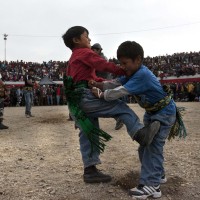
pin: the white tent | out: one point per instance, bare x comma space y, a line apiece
46, 81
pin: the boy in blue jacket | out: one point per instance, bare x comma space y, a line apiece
147, 90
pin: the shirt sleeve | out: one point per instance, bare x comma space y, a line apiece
111, 84
113, 94
92, 59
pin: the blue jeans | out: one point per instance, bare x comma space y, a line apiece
95, 108
1, 109
58, 99
28, 95
49, 99
151, 157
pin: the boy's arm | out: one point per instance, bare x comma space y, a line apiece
100, 64
111, 84
110, 94
116, 93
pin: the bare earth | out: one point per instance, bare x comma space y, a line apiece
40, 158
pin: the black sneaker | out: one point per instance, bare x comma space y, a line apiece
93, 175
30, 115
119, 124
2, 126
145, 135
143, 192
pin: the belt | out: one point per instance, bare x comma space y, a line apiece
81, 84
28, 88
157, 106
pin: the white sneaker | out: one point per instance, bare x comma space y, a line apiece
143, 192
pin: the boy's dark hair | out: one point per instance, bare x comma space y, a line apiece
130, 49
73, 32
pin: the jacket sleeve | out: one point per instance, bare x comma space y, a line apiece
111, 84
113, 94
92, 59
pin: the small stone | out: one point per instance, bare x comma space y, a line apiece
51, 190
110, 190
73, 192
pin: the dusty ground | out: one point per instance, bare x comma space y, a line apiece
40, 159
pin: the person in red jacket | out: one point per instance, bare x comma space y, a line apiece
85, 108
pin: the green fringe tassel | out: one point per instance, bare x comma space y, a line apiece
178, 129
96, 136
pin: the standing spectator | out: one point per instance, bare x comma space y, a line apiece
49, 95
98, 49
43, 97
2, 97
28, 91
58, 95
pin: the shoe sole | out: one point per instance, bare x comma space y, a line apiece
93, 180
155, 126
155, 196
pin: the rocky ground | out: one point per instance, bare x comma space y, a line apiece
40, 159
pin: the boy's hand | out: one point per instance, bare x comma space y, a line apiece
97, 92
92, 83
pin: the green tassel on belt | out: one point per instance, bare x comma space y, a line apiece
96, 136
178, 129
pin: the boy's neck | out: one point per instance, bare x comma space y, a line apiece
136, 70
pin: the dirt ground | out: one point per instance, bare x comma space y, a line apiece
40, 158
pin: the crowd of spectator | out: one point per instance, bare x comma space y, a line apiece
45, 95
15, 71
178, 64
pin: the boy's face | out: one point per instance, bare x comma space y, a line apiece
130, 66
83, 41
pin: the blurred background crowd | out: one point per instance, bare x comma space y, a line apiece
176, 65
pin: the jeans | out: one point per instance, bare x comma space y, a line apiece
58, 99
28, 95
95, 108
151, 157
1, 109
49, 99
